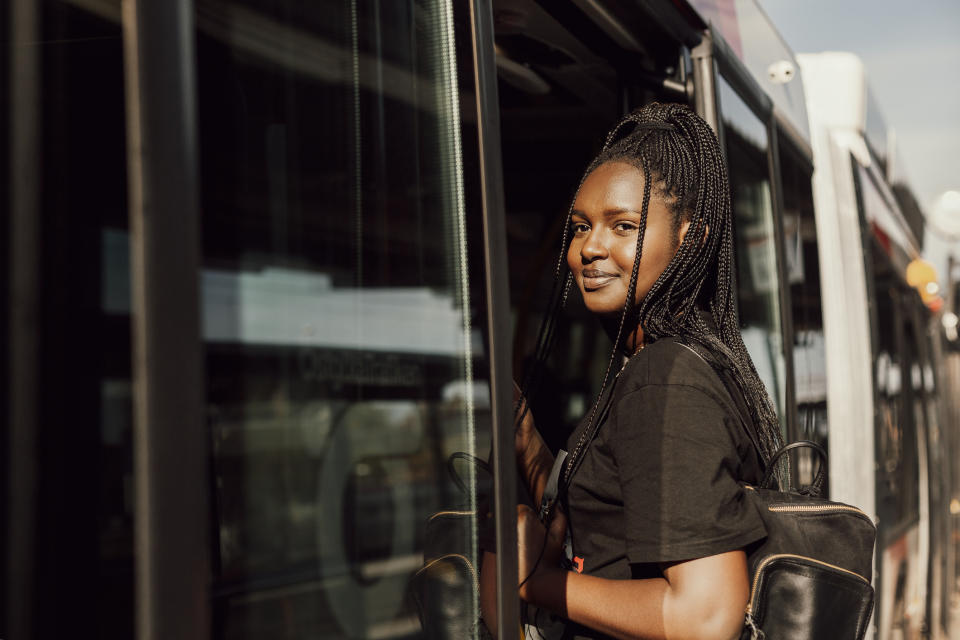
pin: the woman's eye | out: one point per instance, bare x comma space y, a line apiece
625, 227
580, 227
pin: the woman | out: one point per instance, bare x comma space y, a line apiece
657, 520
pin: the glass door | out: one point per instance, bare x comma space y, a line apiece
342, 310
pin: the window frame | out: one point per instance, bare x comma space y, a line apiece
172, 551
499, 326
738, 78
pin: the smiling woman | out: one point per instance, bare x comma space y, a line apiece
649, 494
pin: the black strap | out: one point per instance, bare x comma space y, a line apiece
736, 396
815, 488
769, 468
552, 491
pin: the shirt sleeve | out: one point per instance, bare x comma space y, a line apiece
678, 465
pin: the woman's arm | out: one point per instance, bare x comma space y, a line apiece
702, 599
534, 460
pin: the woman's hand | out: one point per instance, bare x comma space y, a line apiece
540, 552
534, 459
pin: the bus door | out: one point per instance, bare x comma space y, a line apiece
566, 73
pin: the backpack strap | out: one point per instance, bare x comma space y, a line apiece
739, 404
552, 491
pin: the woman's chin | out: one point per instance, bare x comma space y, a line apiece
603, 309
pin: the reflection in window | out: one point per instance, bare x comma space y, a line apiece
897, 408
895, 358
758, 285
338, 311
803, 275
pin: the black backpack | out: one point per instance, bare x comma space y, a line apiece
810, 578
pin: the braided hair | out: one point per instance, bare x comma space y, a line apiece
680, 157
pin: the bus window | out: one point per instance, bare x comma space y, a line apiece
897, 491
342, 309
802, 259
758, 282
895, 353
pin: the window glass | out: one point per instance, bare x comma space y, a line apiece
758, 284
803, 275
753, 38
342, 309
896, 491
72, 526
896, 369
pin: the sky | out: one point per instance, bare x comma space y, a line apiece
911, 50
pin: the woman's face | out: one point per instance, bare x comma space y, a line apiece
605, 222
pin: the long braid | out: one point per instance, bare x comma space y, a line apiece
689, 168
586, 434
680, 156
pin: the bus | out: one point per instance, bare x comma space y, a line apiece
272, 263
892, 395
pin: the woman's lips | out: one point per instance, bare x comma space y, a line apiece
595, 278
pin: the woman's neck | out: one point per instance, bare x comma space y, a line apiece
631, 342
634, 341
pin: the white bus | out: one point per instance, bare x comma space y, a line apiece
888, 401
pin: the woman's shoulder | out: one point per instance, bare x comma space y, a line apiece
669, 363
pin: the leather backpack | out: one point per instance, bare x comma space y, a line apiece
810, 577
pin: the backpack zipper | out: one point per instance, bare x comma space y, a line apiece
811, 508
756, 633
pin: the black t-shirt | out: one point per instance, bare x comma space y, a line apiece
659, 483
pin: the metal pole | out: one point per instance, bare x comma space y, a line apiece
498, 319
24, 330
170, 459
705, 100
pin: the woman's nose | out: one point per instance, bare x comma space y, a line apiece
593, 247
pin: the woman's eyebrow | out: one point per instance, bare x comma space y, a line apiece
608, 212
